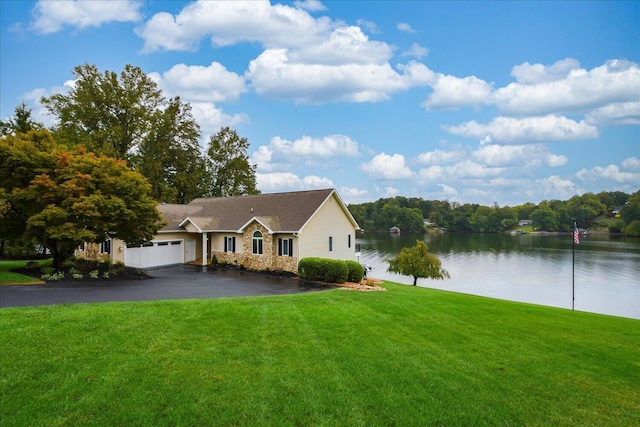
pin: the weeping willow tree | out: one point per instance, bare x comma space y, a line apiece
418, 262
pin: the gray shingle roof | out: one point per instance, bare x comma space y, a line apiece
280, 212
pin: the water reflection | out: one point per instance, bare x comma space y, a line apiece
526, 268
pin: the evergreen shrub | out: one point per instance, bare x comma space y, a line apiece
323, 270
356, 271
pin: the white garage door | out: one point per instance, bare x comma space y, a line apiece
155, 254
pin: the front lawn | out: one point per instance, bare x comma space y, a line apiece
8, 277
409, 356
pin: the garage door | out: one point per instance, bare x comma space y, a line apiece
155, 254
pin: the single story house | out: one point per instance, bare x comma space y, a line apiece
261, 232
525, 222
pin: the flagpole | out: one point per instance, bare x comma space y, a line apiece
573, 272
573, 265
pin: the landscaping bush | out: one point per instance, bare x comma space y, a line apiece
323, 270
310, 268
336, 271
356, 271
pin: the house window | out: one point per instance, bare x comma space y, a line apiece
348, 240
330, 243
285, 247
257, 243
229, 244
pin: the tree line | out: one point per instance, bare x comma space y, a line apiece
126, 116
118, 148
409, 214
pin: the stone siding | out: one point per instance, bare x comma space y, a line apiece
92, 252
269, 260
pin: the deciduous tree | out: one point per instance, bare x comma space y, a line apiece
170, 157
126, 116
63, 197
230, 172
418, 262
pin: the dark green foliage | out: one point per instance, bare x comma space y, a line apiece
323, 270
230, 172
309, 268
548, 215
21, 122
418, 262
631, 215
356, 271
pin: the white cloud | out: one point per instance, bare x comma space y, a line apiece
530, 155
368, 25
523, 130
229, 22
329, 146
441, 156
623, 113
51, 15
554, 160
282, 154
431, 174
211, 118
390, 191
447, 191
629, 178
310, 5
198, 83
274, 75
352, 193
385, 167
345, 45
305, 60
538, 73
450, 92
555, 187
470, 169
417, 51
287, 181
404, 27
631, 163
545, 92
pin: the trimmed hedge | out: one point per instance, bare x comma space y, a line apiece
356, 271
330, 270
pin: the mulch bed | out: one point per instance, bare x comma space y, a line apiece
369, 285
117, 274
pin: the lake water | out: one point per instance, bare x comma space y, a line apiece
528, 268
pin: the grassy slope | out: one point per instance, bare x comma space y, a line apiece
409, 356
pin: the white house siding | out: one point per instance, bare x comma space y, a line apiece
314, 237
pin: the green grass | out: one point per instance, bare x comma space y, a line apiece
8, 277
408, 356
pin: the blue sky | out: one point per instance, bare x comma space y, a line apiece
477, 102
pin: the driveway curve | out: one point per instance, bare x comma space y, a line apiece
167, 283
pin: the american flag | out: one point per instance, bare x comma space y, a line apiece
576, 237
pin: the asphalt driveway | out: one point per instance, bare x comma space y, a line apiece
175, 282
